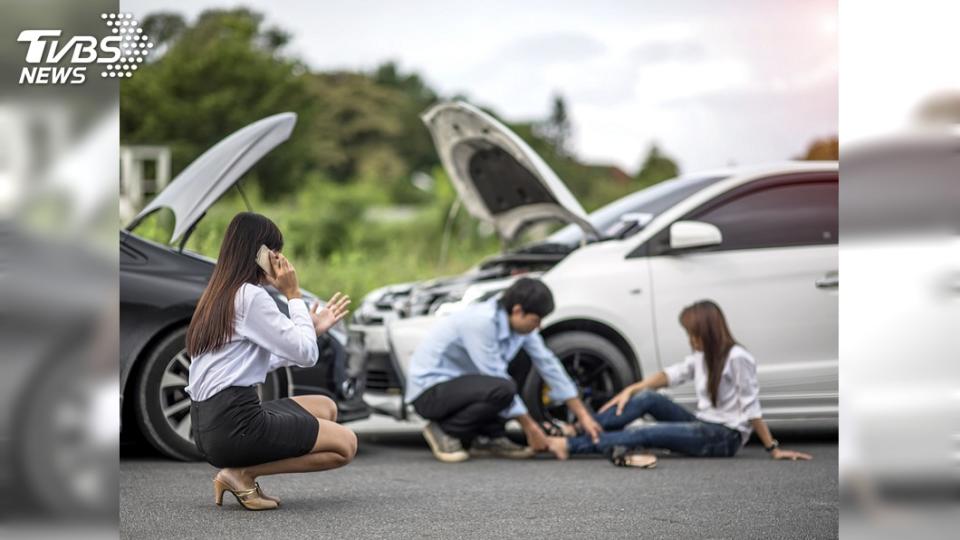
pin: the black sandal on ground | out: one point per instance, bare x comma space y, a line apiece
621, 457
554, 428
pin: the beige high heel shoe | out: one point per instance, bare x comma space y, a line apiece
265, 496
251, 499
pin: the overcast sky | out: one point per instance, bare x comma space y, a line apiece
713, 83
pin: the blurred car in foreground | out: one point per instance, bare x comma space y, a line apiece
900, 413
160, 286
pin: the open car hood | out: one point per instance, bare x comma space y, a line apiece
198, 186
499, 178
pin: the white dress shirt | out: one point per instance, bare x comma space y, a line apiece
737, 395
263, 339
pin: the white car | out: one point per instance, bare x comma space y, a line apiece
761, 241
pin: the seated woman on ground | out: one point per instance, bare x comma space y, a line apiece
728, 408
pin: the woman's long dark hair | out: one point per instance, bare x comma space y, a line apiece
212, 323
704, 321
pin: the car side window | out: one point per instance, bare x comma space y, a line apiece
799, 214
783, 212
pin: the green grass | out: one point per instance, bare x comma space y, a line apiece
334, 245
334, 248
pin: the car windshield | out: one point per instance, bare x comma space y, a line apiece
653, 200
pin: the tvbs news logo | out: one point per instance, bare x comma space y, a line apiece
118, 55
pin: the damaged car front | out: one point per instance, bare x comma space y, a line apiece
502, 182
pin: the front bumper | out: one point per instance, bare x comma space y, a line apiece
384, 381
339, 374
382, 375
353, 409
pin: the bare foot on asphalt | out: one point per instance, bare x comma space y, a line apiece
558, 447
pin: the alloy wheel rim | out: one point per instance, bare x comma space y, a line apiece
173, 399
594, 378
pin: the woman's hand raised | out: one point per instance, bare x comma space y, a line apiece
331, 313
619, 401
285, 276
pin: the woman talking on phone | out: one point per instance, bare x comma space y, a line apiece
237, 335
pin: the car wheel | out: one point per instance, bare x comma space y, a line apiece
597, 366
162, 404
66, 444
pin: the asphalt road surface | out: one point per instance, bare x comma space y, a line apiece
395, 489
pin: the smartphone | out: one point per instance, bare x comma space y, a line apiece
263, 259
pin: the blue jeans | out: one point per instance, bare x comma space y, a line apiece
676, 429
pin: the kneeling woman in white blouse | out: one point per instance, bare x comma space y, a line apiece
728, 408
237, 335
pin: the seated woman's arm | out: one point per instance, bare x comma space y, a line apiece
657, 380
745, 374
678, 373
763, 433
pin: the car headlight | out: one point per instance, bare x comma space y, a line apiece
366, 313
455, 302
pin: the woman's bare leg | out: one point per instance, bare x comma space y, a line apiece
335, 447
319, 406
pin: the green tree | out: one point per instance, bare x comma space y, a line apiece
163, 27
214, 77
656, 167
557, 129
358, 139
226, 71
413, 141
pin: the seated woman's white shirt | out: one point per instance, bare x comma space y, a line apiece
737, 396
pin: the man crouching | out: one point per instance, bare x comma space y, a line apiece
459, 381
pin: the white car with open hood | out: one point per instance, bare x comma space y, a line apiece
761, 241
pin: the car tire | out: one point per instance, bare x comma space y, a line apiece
149, 409
62, 449
586, 356
162, 404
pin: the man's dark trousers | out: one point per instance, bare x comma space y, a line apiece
468, 406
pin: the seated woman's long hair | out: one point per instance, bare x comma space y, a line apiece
212, 323
705, 321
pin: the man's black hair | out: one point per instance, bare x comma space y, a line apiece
531, 294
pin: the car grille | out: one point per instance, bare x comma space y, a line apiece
381, 377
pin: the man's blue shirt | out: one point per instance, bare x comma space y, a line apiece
479, 341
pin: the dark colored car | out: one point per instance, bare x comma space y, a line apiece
160, 286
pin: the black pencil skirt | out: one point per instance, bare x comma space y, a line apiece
234, 429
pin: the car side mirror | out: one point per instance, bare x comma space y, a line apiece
636, 218
628, 224
694, 234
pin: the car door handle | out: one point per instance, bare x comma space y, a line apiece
829, 281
